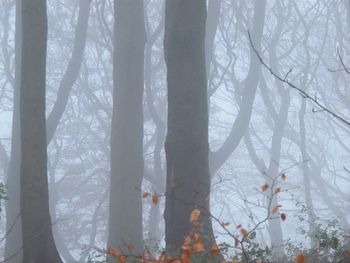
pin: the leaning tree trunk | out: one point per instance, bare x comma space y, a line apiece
186, 146
125, 212
38, 242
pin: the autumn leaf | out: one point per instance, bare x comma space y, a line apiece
114, 251
145, 194
148, 254
300, 258
283, 176
130, 247
195, 215
214, 250
188, 240
155, 200
187, 250
275, 209
265, 187
198, 246
244, 232
225, 224
185, 258
122, 259
283, 217
196, 237
277, 190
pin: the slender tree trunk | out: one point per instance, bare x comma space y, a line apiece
306, 175
73, 69
186, 146
13, 243
241, 124
275, 227
38, 241
13, 219
125, 212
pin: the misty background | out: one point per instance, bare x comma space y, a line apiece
260, 127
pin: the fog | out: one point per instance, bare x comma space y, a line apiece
174, 131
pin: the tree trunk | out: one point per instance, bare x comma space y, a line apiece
241, 123
125, 212
13, 220
13, 245
186, 146
38, 242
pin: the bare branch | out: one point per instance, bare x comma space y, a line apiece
291, 85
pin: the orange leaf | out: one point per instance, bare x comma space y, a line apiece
283, 217
196, 237
122, 259
300, 258
114, 251
187, 250
187, 240
214, 250
198, 246
195, 215
275, 209
265, 187
145, 194
155, 200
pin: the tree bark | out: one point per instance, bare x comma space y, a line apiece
125, 212
38, 241
186, 146
13, 220
13, 243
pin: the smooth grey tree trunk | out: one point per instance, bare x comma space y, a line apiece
186, 146
13, 220
13, 245
125, 211
38, 241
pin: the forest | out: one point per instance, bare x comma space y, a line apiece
174, 131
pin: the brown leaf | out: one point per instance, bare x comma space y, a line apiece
244, 232
214, 250
300, 258
195, 215
283, 216
155, 200
265, 187
275, 209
